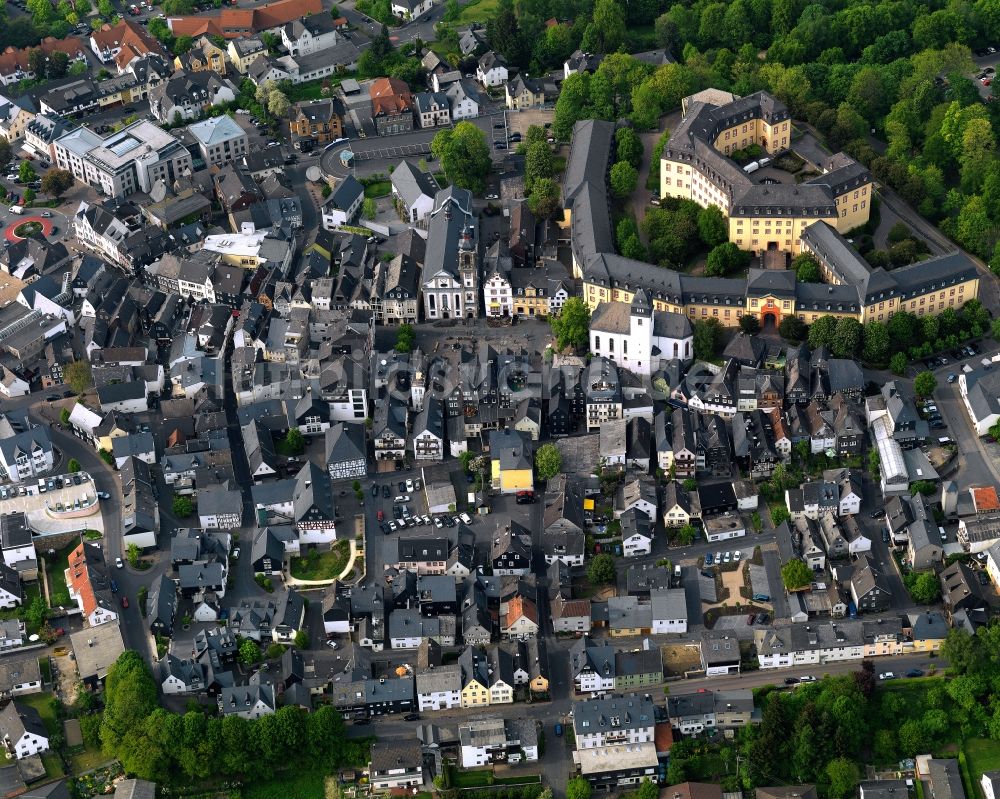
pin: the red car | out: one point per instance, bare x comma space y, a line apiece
380, 515
124, 601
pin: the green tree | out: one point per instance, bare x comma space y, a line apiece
302, 639
606, 33
844, 776
544, 198
796, 574
686, 534
181, 506
822, 332
913, 738
464, 156
572, 326
749, 324
792, 329
74, 466
847, 337
369, 208
28, 198
64, 415
249, 652
623, 179
278, 104
707, 338
5, 150
132, 555
712, 226
294, 442
106, 456
26, 172
78, 376
876, 344
182, 45
725, 259
601, 571
129, 699
36, 612
57, 182
406, 338
548, 461
539, 163
924, 384
779, 514
806, 268
924, 587
898, 363
628, 146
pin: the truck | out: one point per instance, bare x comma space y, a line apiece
753, 166
17, 209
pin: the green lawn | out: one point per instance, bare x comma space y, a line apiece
287, 785
83, 759
31, 591
477, 11
313, 90
53, 765
322, 565
55, 569
378, 188
44, 704
983, 755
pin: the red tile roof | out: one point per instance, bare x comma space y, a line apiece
232, 23
390, 96
11, 58
985, 499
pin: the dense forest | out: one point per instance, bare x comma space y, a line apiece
153, 743
901, 68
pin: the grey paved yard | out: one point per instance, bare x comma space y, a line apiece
706, 588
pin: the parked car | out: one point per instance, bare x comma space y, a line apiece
114, 586
887, 675
952, 377
791, 680
807, 678
709, 560
750, 619
374, 489
125, 602
385, 492
915, 673
411, 717
402, 498
559, 728
119, 564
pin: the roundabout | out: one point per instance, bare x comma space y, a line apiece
23, 228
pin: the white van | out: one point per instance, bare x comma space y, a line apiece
751, 167
944, 535
17, 209
763, 162
944, 441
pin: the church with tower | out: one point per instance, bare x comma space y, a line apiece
638, 338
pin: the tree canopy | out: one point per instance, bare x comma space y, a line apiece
548, 461
572, 326
464, 156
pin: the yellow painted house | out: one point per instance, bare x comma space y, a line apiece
475, 678
927, 630
511, 461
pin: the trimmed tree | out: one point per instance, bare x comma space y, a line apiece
548, 461
924, 384
796, 574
